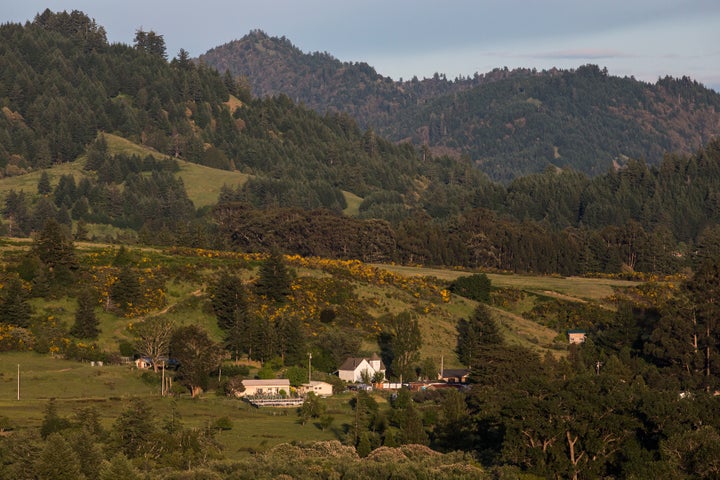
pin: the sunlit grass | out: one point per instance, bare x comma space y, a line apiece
353, 204
111, 389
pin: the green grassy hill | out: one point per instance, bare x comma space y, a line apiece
203, 184
379, 289
111, 388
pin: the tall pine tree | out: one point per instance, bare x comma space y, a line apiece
86, 323
274, 278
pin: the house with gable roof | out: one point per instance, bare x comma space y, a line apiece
352, 369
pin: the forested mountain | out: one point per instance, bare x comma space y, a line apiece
62, 85
508, 122
94, 138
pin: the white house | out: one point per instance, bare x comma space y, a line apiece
265, 387
352, 369
321, 389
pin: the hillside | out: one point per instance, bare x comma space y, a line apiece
509, 123
174, 153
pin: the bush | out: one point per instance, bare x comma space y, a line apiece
233, 385
235, 370
222, 423
475, 287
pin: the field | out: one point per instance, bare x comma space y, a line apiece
515, 328
382, 288
570, 288
110, 389
202, 183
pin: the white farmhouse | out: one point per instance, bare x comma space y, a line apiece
352, 369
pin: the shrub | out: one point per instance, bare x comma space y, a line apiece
223, 423
475, 287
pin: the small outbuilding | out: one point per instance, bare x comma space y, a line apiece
144, 363
321, 389
576, 336
454, 375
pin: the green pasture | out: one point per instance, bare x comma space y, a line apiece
568, 288
110, 390
353, 204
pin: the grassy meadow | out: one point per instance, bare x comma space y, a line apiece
111, 388
382, 289
202, 183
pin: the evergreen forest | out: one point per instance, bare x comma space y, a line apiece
203, 217
509, 123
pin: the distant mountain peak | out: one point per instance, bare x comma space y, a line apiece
508, 122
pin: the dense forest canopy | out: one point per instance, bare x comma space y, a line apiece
63, 84
508, 122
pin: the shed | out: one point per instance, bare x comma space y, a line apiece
576, 336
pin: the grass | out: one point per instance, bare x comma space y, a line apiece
202, 183
568, 288
122, 146
353, 204
43, 377
515, 328
111, 389
28, 182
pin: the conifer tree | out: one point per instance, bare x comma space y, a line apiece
58, 461
86, 323
274, 278
126, 292
134, 429
14, 307
228, 300
400, 342
476, 333
56, 251
411, 427
52, 422
118, 467
43, 186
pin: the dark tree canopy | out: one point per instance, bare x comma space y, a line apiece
197, 354
274, 278
475, 334
86, 322
475, 287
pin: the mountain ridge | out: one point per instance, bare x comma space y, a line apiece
508, 122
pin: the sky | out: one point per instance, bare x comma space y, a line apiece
646, 39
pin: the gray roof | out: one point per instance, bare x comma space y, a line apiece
353, 362
267, 383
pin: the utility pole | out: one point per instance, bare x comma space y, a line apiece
309, 367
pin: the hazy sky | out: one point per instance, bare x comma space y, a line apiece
401, 38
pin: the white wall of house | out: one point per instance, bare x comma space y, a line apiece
321, 389
265, 387
356, 374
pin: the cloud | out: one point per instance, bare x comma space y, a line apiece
581, 53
